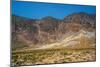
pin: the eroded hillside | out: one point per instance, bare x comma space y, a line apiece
74, 31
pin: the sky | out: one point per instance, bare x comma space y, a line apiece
37, 10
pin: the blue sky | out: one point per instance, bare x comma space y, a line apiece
38, 10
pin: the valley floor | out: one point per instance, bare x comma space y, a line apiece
51, 56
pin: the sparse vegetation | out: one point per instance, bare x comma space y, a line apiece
49, 56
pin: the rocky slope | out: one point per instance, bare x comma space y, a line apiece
74, 31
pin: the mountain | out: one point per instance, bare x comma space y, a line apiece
78, 40
51, 32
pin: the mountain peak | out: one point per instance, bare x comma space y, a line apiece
48, 18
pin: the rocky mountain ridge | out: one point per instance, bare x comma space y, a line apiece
48, 30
